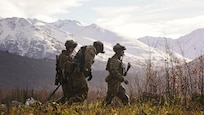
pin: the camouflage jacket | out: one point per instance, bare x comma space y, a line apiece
115, 68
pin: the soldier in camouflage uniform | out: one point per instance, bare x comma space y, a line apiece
115, 77
65, 63
84, 60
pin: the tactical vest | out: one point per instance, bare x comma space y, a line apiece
120, 69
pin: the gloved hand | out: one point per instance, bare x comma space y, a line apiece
126, 82
89, 78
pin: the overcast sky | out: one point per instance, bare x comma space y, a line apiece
130, 18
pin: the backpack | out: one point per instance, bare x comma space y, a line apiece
79, 58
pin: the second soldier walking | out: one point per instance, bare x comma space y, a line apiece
84, 60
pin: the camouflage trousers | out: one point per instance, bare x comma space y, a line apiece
79, 95
67, 91
79, 89
115, 89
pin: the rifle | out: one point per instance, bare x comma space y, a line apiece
128, 67
58, 75
88, 74
52, 93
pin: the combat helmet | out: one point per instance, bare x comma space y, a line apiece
70, 43
99, 46
118, 47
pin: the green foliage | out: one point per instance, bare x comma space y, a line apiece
144, 104
95, 108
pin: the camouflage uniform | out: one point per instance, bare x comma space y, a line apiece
65, 59
115, 78
80, 86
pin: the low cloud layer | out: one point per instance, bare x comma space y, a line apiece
132, 18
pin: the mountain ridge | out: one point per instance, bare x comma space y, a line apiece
189, 45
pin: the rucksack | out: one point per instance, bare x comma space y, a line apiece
79, 58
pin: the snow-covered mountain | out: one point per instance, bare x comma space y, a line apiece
37, 39
190, 45
27, 38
